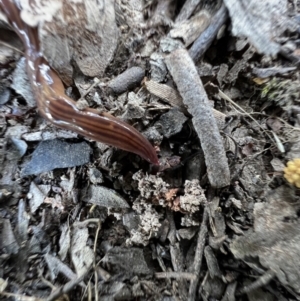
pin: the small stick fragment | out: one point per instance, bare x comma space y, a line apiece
271, 71
173, 98
206, 38
198, 256
129, 79
95, 83
191, 29
195, 98
67, 287
175, 275
260, 282
187, 10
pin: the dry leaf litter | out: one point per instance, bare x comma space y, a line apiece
80, 220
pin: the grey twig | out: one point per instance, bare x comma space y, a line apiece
198, 256
187, 10
191, 89
260, 282
175, 275
67, 287
206, 38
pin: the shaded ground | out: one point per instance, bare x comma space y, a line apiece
80, 220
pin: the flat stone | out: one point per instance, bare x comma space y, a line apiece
53, 154
105, 197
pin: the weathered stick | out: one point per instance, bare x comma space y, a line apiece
190, 87
198, 256
187, 10
208, 35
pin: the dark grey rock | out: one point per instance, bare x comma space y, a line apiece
20, 146
53, 154
131, 221
130, 261
171, 123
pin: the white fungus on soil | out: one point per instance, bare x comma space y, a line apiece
154, 192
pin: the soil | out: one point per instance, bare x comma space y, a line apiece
215, 88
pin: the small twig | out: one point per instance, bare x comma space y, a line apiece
67, 287
93, 85
269, 116
96, 237
90, 291
261, 281
175, 275
95, 249
198, 255
48, 283
187, 10
103, 273
96, 285
235, 176
11, 47
208, 35
203, 283
86, 222
157, 108
290, 56
87, 288
226, 97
